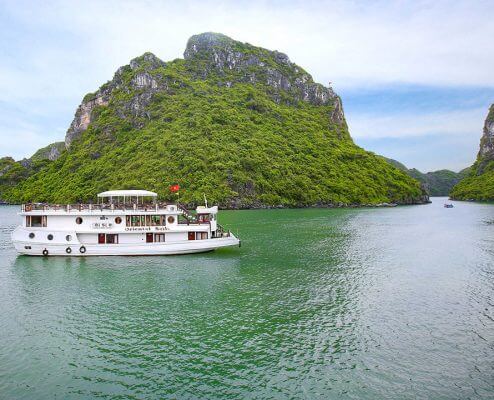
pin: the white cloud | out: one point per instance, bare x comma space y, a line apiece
60, 50
348, 43
451, 123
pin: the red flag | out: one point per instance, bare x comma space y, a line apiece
174, 188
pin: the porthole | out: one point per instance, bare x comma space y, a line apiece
31, 235
68, 238
50, 237
78, 220
118, 220
171, 219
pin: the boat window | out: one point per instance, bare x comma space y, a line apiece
144, 220
50, 237
78, 220
134, 220
203, 218
68, 238
201, 235
111, 238
159, 237
36, 220
32, 235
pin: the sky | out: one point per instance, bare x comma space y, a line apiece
416, 77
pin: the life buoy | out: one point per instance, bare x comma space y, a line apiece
29, 207
68, 250
82, 249
45, 252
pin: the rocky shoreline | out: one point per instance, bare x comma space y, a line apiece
298, 206
320, 205
237, 204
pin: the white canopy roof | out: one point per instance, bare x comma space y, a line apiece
207, 210
127, 193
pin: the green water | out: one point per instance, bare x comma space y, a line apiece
330, 304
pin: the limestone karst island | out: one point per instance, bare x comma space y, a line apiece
265, 133
239, 122
246, 200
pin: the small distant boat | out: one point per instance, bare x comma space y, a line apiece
448, 205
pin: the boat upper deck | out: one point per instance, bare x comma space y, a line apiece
105, 208
121, 202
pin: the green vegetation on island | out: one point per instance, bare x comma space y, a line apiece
241, 124
436, 183
479, 182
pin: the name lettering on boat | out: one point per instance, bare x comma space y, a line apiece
97, 225
146, 228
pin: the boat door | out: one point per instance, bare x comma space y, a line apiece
101, 238
149, 238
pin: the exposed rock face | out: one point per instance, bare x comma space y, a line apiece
478, 184
51, 152
25, 162
83, 115
222, 55
486, 152
141, 80
54, 153
209, 53
147, 60
240, 122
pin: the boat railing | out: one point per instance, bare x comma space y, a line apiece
79, 207
222, 232
186, 213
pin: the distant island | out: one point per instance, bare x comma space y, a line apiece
243, 124
478, 185
435, 183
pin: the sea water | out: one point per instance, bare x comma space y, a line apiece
317, 303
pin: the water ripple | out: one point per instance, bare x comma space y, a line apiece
347, 304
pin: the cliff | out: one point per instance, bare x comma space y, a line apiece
479, 183
243, 124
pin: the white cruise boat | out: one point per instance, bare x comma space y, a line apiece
124, 222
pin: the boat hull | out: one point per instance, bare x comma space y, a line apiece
78, 249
